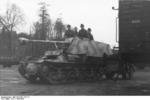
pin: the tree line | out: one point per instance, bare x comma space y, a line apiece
43, 29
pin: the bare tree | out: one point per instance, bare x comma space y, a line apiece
12, 18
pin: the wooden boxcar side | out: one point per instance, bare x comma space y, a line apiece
134, 30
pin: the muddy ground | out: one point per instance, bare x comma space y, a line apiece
11, 83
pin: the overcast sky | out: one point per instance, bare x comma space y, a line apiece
96, 14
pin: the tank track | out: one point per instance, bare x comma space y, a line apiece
64, 73
67, 72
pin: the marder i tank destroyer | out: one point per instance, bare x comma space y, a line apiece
78, 60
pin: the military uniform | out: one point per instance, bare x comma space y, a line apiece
90, 36
69, 34
75, 33
83, 34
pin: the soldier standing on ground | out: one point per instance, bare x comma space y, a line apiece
82, 33
90, 36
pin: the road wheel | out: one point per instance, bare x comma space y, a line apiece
23, 72
53, 74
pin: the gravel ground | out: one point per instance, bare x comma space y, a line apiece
11, 83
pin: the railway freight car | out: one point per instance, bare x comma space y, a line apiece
134, 31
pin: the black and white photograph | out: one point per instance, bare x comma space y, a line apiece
74, 48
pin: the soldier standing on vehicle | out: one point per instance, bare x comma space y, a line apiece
90, 36
82, 33
69, 32
75, 31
